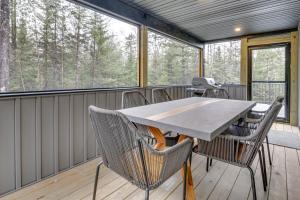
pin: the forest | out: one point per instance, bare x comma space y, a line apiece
222, 61
268, 73
170, 62
57, 44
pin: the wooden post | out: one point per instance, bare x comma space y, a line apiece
294, 81
143, 58
244, 61
201, 62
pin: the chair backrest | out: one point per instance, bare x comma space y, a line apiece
222, 93
280, 99
216, 93
210, 92
133, 98
160, 95
263, 129
118, 141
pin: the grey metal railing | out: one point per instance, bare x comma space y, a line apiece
267, 91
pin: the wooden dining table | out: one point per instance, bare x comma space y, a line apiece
195, 117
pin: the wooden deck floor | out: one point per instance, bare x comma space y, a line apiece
223, 181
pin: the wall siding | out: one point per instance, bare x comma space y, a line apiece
7, 150
78, 130
47, 142
43, 135
28, 140
63, 132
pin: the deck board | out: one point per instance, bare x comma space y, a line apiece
293, 173
225, 184
208, 183
278, 189
198, 174
223, 181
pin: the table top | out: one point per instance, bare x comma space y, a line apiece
198, 117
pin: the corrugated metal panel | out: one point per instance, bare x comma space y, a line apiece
216, 19
43, 135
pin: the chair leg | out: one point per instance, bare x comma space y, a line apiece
262, 170
96, 180
264, 163
147, 194
210, 162
268, 146
207, 164
184, 181
252, 183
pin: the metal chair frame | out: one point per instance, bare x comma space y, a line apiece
241, 150
125, 151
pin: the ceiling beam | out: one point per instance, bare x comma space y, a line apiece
135, 15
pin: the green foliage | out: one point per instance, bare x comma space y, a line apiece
170, 62
268, 65
222, 61
61, 45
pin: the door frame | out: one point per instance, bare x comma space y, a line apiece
287, 81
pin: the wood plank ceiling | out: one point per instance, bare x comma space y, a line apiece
217, 19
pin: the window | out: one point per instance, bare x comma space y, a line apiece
170, 62
222, 61
56, 44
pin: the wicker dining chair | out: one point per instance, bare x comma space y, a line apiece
133, 98
254, 118
259, 114
210, 92
216, 93
248, 125
241, 150
124, 151
160, 95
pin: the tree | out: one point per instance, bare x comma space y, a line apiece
131, 59
222, 61
4, 45
55, 44
98, 49
170, 62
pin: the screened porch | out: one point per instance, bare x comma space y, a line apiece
59, 58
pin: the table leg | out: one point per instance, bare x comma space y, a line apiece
189, 182
160, 138
160, 145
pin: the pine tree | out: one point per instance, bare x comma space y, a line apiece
130, 72
4, 45
98, 49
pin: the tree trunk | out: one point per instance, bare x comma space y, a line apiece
62, 53
14, 24
77, 64
4, 45
94, 63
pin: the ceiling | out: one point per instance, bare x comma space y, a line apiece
217, 19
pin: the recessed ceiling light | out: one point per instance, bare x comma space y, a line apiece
237, 29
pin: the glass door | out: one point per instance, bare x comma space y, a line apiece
269, 76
